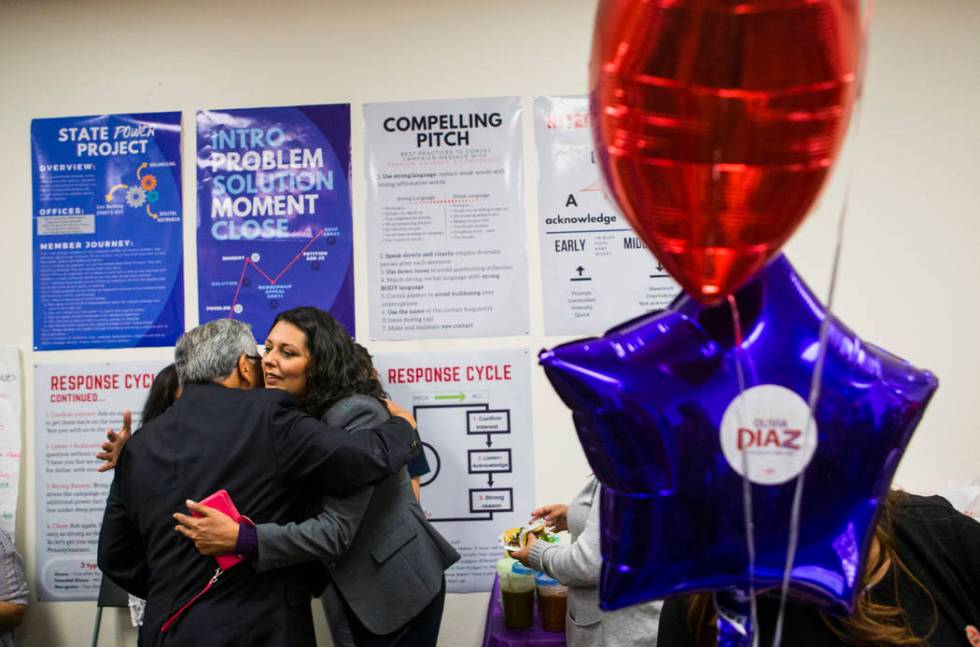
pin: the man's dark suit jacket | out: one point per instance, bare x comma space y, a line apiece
271, 458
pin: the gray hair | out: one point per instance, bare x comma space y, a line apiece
209, 352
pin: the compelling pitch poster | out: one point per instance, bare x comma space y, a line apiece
446, 232
274, 213
75, 404
595, 271
474, 416
108, 270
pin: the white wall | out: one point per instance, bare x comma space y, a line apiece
911, 249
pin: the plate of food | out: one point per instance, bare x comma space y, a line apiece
514, 539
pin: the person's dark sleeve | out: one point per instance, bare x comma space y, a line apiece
247, 544
418, 466
334, 461
121, 555
968, 533
673, 625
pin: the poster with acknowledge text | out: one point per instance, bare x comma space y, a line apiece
596, 272
274, 213
108, 251
447, 253
74, 406
11, 407
473, 410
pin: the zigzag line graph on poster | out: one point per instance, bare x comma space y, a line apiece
272, 281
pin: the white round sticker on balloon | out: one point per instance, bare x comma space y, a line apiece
769, 429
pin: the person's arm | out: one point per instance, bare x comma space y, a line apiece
335, 462
417, 468
121, 555
325, 537
14, 602
578, 564
330, 534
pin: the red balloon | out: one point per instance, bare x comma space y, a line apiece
717, 122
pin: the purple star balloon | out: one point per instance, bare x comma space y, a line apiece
669, 432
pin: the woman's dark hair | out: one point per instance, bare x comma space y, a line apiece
872, 623
372, 385
162, 394
335, 371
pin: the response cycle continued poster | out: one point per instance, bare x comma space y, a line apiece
274, 213
74, 405
107, 243
11, 409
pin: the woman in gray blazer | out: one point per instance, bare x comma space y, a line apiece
386, 561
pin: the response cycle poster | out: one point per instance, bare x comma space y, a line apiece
473, 410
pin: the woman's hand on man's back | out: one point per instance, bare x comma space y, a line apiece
396, 410
112, 448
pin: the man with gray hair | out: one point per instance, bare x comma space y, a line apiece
223, 433
210, 352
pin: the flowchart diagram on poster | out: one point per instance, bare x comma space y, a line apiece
466, 441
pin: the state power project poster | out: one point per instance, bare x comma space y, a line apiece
274, 213
108, 255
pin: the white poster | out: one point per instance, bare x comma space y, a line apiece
473, 411
447, 255
596, 272
75, 405
11, 406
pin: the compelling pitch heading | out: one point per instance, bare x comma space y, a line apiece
432, 131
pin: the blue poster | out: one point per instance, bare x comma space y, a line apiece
274, 213
108, 254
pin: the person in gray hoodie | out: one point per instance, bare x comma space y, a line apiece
577, 566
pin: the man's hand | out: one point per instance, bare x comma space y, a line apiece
112, 448
396, 410
554, 515
213, 533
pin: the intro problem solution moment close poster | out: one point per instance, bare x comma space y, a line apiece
274, 213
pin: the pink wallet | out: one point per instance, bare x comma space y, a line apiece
221, 501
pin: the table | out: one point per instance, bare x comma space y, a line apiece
496, 634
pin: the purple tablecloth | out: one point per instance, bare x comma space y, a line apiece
496, 634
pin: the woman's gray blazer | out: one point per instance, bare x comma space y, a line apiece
384, 557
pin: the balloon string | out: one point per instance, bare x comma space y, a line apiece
746, 484
815, 383
816, 380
